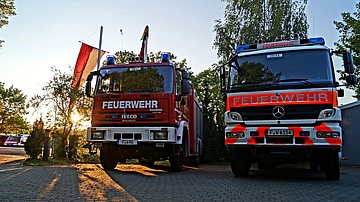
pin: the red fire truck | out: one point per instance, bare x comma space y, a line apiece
144, 110
282, 106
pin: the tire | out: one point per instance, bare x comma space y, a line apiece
177, 158
332, 166
314, 165
240, 163
146, 163
194, 161
108, 162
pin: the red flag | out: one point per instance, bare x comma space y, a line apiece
85, 63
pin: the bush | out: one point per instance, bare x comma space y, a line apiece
34, 144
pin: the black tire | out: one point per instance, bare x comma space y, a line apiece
314, 165
194, 161
146, 163
177, 158
108, 162
240, 163
332, 169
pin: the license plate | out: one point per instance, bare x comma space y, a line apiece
126, 142
280, 132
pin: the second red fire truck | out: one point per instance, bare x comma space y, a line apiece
282, 106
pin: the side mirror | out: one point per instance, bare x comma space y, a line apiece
185, 75
348, 63
185, 87
88, 85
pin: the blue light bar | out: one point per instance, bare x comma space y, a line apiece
110, 60
241, 48
165, 57
317, 40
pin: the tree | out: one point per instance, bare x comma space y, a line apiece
244, 22
62, 103
207, 83
7, 9
247, 20
12, 109
124, 56
349, 39
35, 142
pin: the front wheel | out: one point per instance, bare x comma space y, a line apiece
107, 159
332, 167
177, 158
146, 163
240, 163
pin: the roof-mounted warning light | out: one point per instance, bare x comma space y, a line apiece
278, 44
318, 40
165, 57
110, 60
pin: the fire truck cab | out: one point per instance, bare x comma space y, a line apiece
282, 106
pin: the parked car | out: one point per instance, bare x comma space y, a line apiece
13, 141
23, 138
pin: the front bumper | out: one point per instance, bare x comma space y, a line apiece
132, 134
302, 137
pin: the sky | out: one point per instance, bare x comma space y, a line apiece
46, 34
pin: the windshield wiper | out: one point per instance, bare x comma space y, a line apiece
256, 84
303, 80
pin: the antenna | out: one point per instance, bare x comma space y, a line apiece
314, 25
121, 39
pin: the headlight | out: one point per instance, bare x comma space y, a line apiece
235, 135
97, 135
327, 134
160, 135
235, 116
326, 113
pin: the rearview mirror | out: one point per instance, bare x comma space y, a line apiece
185, 87
348, 63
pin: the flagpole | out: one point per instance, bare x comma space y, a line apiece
99, 52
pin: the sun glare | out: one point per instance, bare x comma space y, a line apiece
75, 117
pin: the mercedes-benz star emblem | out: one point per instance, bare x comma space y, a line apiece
278, 112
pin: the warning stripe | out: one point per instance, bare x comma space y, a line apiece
282, 98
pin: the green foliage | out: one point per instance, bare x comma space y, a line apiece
247, 20
76, 150
53, 161
7, 9
207, 84
12, 109
35, 142
349, 39
59, 144
62, 101
123, 57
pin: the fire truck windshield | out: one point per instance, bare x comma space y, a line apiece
136, 79
288, 69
